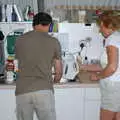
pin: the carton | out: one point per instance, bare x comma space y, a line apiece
84, 77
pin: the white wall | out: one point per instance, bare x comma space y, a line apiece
77, 32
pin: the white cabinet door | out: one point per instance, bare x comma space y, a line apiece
92, 110
7, 104
69, 103
92, 103
92, 94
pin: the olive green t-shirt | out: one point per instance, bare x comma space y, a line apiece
35, 52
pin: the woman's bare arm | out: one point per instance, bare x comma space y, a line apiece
112, 55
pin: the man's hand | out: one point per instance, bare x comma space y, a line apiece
57, 77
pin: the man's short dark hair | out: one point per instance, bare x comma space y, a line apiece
42, 18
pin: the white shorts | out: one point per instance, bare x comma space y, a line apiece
110, 95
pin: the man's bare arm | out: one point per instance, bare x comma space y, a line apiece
58, 70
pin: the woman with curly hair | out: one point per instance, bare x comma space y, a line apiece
108, 72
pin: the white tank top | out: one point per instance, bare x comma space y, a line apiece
113, 40
103, 59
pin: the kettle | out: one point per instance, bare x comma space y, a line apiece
70, 67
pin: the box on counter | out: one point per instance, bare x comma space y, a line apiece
84, 77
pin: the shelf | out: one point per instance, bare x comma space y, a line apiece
28, 22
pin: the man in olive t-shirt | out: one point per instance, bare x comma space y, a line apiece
37, 52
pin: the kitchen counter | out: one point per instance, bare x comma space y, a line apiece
82, 81
60, 85
75, 85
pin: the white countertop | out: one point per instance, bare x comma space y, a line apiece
60, 85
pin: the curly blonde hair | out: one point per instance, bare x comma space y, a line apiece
110, 19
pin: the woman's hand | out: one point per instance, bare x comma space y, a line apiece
94, 77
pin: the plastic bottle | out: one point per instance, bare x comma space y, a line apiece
14, 15
85, 60
10, 70
10, 77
